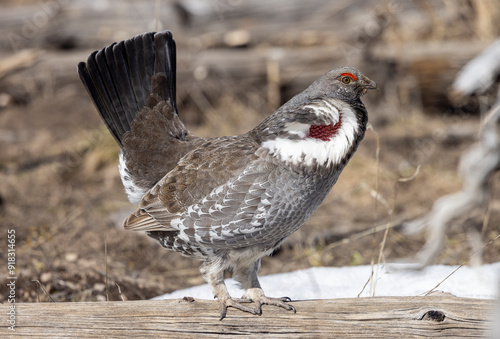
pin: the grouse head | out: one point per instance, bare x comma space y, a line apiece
345, 83
321, 127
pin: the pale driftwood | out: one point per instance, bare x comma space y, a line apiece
22, 59
478, 75
477, 165
381, 317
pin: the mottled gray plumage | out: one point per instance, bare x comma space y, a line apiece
228, 200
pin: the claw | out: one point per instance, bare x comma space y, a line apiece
278, 302
236, 303
288, 300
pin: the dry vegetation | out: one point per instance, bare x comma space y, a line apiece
61, 190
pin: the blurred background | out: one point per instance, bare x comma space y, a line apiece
237, 62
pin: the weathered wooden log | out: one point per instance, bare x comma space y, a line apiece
378, 317
67, 24
214, 72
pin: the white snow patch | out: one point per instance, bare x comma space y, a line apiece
348, 282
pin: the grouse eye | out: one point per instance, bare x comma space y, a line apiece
346, 80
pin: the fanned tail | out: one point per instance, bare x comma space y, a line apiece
118, 78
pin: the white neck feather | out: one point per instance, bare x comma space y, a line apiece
308, 151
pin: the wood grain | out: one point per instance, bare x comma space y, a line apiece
378, 317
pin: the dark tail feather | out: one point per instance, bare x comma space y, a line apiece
118, 77
165, 62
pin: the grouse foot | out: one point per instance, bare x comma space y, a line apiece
236, 303
257, 296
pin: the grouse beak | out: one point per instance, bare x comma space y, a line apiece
369, 84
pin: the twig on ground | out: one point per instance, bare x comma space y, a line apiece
38, 283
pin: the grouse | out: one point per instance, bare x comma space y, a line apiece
229, 200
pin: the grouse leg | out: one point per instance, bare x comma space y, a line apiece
247, 277
215, 279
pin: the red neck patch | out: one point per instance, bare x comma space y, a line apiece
324, 132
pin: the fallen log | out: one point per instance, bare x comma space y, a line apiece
377, 317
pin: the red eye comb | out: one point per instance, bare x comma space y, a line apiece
352, 76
